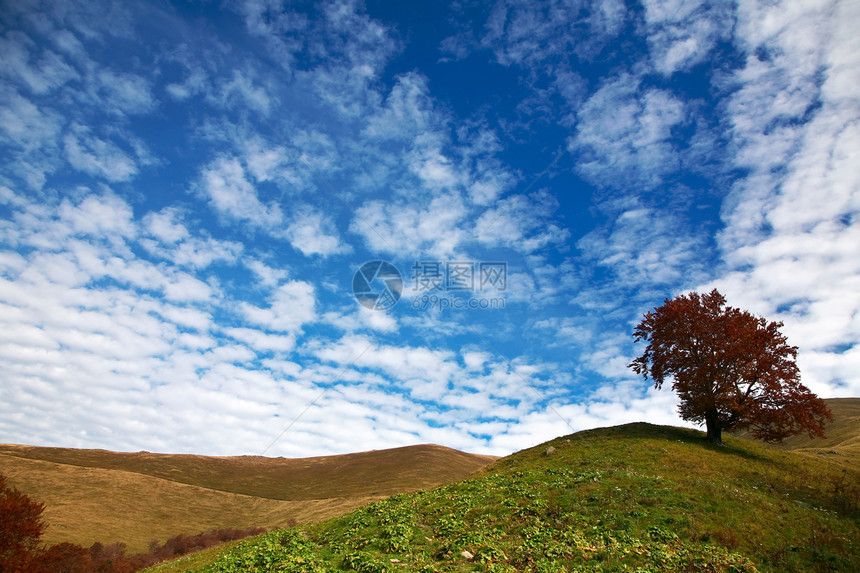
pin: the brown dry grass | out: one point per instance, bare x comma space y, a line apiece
95, 495
377, 473
842, 444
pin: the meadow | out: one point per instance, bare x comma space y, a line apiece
136, 498
629, 498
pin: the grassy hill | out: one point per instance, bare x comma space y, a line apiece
842, 444
630, 498
96, 495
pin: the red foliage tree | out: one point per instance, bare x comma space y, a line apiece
21, 527
61, 558
732, 370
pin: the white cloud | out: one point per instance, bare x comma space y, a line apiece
166, 225
267, 275
126, 342
475, 361
409, 229
291, 305
77, 89
40, 73
792, 235
682, 34
93, 235
312, 233
488, 176
449, 392
624, 134
521, 223
645, 247
30, 134
26, 125
242, 91
264, 163
103, 219
172, 240
655, 407
161, 365
161, 329
566, 330
520, 32
435, 171
102, 215
541, 284
262, 342
407, 110
194, 84
282, 30
124, 93
401, 363
356, 49
225, 184
99, 157
361, 319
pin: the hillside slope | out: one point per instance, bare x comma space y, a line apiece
842, 443
378, 472
630, 498
96, 495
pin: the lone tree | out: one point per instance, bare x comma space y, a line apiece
732, 370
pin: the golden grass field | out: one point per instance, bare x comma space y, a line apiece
636, 497
842, 444
135, 498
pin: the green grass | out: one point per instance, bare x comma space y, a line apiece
630, 498
192, 561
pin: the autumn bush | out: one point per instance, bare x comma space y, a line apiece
21, 528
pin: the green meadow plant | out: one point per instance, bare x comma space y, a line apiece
633, 498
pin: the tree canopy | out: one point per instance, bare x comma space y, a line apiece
21, 526
731, 369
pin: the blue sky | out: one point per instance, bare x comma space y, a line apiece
188, 190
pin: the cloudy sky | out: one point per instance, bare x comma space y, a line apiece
188, 191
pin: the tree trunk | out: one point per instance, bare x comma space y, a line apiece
715, 431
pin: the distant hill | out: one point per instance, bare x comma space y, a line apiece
97, 495
842, 443
636, 497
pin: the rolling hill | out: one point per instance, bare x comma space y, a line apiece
97, 495
842, 443
610, 499
636, 497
